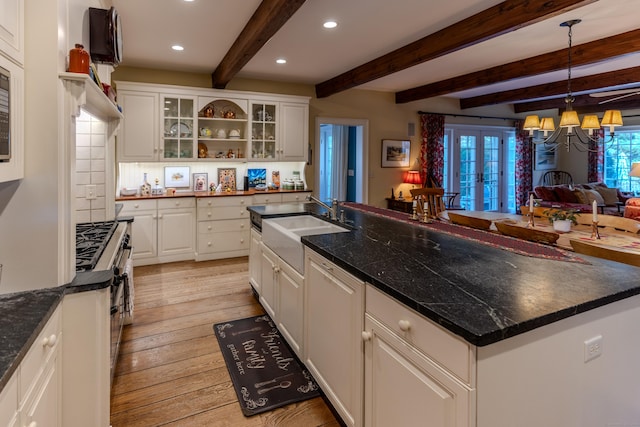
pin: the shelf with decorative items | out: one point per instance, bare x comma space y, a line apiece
264, 131
222, 125
178, 120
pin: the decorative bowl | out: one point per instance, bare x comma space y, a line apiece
130, 191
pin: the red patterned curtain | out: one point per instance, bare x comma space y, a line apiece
432, 149
524, 165
596, 160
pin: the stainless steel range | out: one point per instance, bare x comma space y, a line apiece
107, 246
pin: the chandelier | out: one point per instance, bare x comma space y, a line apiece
571, 132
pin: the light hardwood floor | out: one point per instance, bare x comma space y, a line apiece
170, 370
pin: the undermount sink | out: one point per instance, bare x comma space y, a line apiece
282, 235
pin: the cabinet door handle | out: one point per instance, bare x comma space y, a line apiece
49, 341
160, 216
208, 243
33, 424
276, 269
404, 325
209, 228
366, 336
327, 267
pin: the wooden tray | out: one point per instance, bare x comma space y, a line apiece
530, 234
469, 221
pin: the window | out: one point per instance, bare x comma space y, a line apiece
618, 156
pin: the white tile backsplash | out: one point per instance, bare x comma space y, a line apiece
90, 167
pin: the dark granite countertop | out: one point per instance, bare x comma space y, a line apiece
24, 314
483, 294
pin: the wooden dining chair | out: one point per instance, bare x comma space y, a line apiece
610, 221
430, 201
618, 254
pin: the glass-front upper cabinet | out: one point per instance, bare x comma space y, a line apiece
178, 132
264, 136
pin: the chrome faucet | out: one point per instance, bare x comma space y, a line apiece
333, 209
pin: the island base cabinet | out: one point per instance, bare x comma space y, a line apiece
404, 388
334, 321
255, 277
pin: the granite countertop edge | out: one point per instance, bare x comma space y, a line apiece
32, 310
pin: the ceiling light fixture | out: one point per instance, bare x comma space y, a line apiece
177, 47
577, 135
281, 61
330, 24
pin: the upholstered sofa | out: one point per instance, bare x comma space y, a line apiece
581, 197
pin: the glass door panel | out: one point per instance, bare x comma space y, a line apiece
490, 177
468, 171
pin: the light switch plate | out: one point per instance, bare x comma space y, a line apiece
90, 192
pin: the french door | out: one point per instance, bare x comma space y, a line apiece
480, 167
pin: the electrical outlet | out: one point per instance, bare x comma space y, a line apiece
90, 192
592, 348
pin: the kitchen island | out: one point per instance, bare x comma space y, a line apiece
529, 321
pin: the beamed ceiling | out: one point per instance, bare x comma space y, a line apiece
482, 52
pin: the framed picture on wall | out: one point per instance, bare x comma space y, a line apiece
545, 159
395, 153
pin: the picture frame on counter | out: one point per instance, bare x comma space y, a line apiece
176, 176
395, 153
227, 178
200, 181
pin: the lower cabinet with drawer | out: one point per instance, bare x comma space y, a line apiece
32, 397
223, 227
415, 372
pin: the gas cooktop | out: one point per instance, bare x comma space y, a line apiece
91, 239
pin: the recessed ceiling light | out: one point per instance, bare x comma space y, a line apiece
330, 24
177, 47
281, 61
188, 0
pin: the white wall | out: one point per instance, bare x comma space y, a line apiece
36, 212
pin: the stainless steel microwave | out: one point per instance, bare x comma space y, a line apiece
5, 126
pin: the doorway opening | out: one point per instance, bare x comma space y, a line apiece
342, 159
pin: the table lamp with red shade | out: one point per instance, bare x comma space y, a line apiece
412, 177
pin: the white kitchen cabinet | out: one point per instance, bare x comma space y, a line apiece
268, 273
9, 415
294, 132
138, 139
222, 128
86, 322
223, 227
179, 127
282, 296
163, 230
12, 29
333, 325
300, 197
32, 396
268, 198
279, 131
290, 303
255, 276
225, 126
413, 369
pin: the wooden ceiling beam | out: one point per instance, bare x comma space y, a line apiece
505, 17
582, 104
268, 18
584, 54
594, 83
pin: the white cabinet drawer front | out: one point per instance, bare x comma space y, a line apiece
451, 352
263, 199
42, 348
179, 202
130, 207
294, 197
222, 242
229, 212
223, 226
9, 402
224, 201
